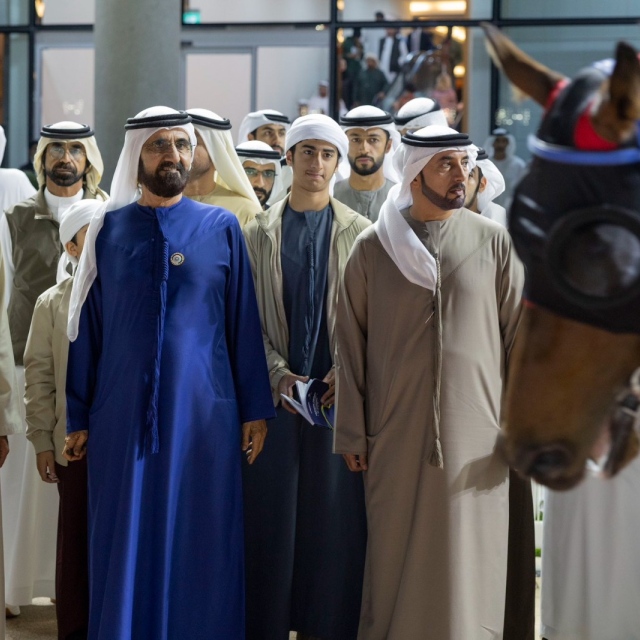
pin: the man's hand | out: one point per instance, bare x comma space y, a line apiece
253, 436
356, 462
45, 461
75, 445
4, 449
285, 386
330, 396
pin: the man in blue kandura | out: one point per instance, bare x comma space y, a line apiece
167, 383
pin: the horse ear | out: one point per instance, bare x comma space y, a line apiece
624, 85
617, 115
531, 77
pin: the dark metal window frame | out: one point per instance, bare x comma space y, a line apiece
333, 26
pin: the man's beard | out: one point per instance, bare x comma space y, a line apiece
165, 185
470, 202
442, 202
66, 179
263, 195
198, 169
366, 171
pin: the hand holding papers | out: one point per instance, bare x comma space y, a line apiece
309, 404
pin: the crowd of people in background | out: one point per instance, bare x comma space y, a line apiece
374, 61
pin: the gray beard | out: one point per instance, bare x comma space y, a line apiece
64, 181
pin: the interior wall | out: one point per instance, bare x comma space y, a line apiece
66, 95
71, 11
208, 78
286, 75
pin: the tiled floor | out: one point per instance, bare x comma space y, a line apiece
38, 622
292, 635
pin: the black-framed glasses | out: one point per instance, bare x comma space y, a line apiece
269, 174
162, 146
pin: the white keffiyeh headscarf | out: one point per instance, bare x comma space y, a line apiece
499, 132
495, 182
65, 132
261, 153
317, 126
216, 135
401, 243
124, 191
370, 117
419, 113
73, 219
256, 119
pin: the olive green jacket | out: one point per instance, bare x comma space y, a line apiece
263, 237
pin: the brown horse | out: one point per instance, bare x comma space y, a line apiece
578, 345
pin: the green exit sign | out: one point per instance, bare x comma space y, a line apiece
191, 17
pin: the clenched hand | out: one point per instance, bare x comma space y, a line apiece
75, 445
253, 437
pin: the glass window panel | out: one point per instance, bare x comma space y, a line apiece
14, 12
67, 11
222, 11
364, 10
305, 68
67, 82
231, 70
16, 101
564, 49
440, 72
569, 8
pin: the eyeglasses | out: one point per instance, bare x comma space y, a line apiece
162, 146
269, 174
58, 151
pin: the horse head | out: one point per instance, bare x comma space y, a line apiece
575, 223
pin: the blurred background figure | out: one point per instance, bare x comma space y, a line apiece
392, 50
352, 54
501, 147
371, 37
445, 95
420, 39
319, 103
408, 94
27, 167
371, 83
14, 184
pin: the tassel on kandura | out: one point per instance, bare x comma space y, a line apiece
436, 459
